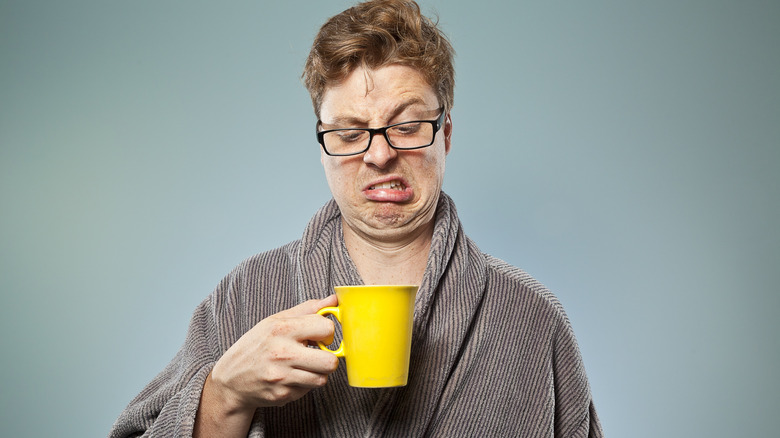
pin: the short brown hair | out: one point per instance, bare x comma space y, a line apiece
374, 34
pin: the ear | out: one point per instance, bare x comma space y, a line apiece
447, 133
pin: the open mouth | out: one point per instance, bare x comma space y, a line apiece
393, 189
393, 185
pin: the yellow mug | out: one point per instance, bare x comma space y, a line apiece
376, 324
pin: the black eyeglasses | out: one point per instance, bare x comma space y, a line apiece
415, 134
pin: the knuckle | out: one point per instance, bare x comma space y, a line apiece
275, 352
275, 375
320, 381
281, 393
280, 328
279, 356
325, 327
334, 363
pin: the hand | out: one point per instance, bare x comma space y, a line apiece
271, 364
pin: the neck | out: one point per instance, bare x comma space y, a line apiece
397, 261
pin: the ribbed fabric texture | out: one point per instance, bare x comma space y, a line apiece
493, 353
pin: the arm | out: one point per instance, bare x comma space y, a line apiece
270, 365
575, 414
170, 405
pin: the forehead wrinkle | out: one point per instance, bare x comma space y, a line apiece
360, 120
370, 85
369, 80
375, 103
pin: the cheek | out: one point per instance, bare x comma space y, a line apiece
338, 176
436, 163
330, 175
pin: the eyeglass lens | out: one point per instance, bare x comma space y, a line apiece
402, 136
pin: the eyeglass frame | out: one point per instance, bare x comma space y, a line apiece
436, 123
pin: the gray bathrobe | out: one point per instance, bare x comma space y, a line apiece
493, 353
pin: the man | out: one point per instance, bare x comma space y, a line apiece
493, 353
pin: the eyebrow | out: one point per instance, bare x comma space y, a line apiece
357, 121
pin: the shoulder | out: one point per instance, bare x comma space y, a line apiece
516, 287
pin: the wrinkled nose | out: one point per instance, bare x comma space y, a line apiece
379, 154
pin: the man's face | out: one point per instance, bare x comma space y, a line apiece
385, 194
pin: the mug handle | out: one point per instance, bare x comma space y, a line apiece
335, 312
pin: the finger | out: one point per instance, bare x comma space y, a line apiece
307, 379
309, 307
314, 328
299, 329
316, 361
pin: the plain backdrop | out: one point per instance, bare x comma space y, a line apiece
626, 154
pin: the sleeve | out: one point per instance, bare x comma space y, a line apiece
575, 413
166, 407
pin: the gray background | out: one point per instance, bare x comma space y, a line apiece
624, 153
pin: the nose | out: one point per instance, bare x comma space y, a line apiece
379, 153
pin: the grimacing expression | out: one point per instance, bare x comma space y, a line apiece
385, 193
